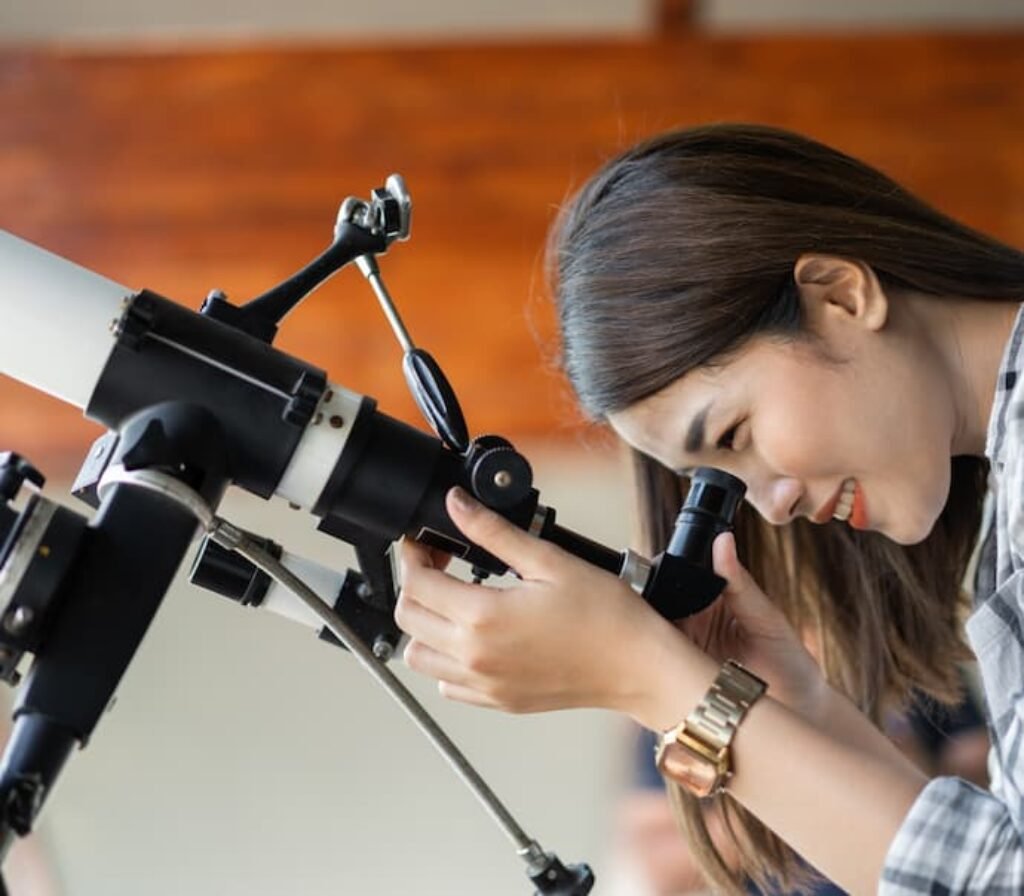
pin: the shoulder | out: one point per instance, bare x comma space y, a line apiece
1006, 429
1009, 465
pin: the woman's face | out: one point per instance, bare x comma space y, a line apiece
806, 431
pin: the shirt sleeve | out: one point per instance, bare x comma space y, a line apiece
956, 838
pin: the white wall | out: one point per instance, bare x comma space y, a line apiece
245, 757
319, 18
197, 20
793, 15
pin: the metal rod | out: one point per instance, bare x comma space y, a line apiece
368, 265
232, 538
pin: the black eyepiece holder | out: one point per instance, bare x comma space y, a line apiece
682, 580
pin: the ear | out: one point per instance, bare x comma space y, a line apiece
834, 289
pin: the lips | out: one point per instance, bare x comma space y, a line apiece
858, 517
829, 508
858, 514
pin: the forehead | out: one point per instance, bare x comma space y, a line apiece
663, 417
658, 424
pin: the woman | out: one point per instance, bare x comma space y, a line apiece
744, 298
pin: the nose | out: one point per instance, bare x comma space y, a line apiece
776, 499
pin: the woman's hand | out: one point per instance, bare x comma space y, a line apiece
566, 635
744, 625
569, 634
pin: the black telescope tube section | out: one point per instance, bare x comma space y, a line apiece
392, 480
382, 476
262, 397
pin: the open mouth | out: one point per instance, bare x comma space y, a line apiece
844, 506
850, 506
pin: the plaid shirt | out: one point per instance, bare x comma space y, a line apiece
958, 838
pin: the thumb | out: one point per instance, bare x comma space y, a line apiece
726, 561
491, 531
744, 595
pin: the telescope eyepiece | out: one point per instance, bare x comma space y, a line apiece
710, 509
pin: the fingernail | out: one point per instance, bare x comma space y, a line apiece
462, 500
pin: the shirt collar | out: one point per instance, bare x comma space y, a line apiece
1010, 370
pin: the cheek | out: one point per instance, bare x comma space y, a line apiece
810, 428
919, 495
803, 443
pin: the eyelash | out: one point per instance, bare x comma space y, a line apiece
725, 442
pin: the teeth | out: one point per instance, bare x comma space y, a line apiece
845, 505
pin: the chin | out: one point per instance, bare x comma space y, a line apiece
912, 531
907, 538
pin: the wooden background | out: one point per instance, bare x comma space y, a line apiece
184, 171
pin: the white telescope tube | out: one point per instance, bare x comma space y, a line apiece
54, 320
325, 582
320, 447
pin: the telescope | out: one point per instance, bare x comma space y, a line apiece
194, 401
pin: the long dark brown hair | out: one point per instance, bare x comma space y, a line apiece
673, 256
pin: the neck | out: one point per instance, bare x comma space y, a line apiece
970, 336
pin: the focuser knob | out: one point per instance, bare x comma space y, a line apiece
499, 475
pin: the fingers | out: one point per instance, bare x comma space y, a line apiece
421, 555
423, 624
463, 694
527, 555
421, 657
433, 588
453, 679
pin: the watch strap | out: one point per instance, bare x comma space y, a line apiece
696, 753
714, 720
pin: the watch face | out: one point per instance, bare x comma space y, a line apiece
698, 774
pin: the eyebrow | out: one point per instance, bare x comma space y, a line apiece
695, 433
694, 437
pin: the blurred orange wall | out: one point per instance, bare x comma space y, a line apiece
184, 171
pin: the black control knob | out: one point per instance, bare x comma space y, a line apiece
15, 471
499, 475
556, 879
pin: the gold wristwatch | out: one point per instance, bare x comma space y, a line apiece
695, 753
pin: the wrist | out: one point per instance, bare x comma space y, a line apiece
819, 702
665, 680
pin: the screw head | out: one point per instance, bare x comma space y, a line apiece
18, 621
383, 649
503, 479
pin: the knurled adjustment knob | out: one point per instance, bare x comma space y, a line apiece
501, 477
